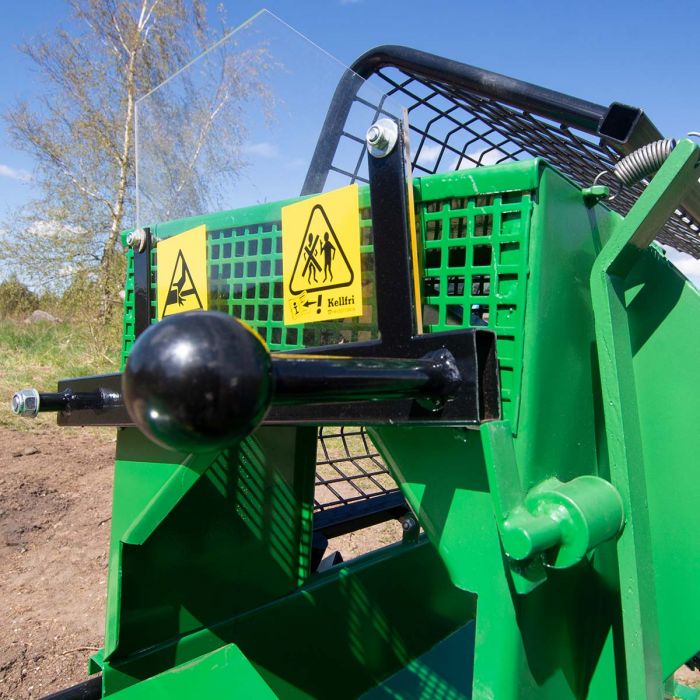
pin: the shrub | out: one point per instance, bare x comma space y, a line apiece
81, 298
16, 299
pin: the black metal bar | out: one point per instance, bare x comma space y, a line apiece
547, 103
329, 138
319, 379
476, 400
551, 104
59, 401
90, 689
392, 249
335, 522
319, 545
68, 400
111, 412
489, 394
142, 284
623, 124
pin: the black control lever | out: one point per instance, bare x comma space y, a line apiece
202, 380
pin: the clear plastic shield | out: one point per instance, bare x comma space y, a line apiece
240, 124
231, 138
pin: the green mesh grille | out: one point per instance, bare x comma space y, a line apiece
475, 271
129, 313
245, 272
475, 252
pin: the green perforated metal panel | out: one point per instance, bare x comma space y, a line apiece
246, 281
474, 230
128, 318
475, 264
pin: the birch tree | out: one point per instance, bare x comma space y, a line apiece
80, 133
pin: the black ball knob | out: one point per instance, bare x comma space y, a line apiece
198, 381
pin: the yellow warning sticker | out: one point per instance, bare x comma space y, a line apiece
182, 272
321, 257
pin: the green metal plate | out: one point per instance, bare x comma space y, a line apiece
210, 676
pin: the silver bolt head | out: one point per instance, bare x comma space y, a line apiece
382, 137
25, 403
137, 239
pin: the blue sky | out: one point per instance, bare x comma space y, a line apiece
634, 51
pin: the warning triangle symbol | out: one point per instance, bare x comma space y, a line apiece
321, 262
182, 293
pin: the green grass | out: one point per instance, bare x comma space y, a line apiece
39, 354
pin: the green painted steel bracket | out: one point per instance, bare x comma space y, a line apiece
210, 675
555, 524
96, 662
622, 425
169, 495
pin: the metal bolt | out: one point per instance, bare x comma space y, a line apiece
137, 239
375, 137
382, 137
25, 403
408, 523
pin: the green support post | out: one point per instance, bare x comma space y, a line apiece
628, 471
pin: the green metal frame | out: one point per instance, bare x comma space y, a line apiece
557, 555
648, 342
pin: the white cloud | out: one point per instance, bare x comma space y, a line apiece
50, 228
687, 264
263, 149
45, 229
15, 173
428, 154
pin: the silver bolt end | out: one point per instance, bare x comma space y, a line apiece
137, 239
375, 137
381, 137
25, 403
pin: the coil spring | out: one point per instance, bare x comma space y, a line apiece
643, 162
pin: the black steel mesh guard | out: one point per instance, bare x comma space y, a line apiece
348, 468
459, 117
463, 117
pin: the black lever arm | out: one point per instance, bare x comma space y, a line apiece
200, 381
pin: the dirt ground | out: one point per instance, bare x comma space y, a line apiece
55, 491
55, 504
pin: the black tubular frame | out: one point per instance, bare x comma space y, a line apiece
512, 120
